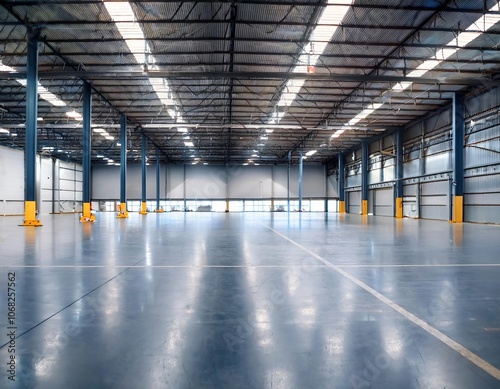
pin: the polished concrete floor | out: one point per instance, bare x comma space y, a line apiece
205, 300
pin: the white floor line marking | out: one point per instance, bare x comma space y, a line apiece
481, 363
428, 265
150, 266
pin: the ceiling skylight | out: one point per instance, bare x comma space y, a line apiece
333, 13
130, 30
42, 91
481, 25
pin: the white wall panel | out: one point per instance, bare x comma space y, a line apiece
106, 182
354, 202
175, 182
11, 174
383, 199
251, 182
280, 173
204, 182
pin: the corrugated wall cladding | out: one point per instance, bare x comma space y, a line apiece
482, 198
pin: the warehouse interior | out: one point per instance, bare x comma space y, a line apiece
250, 193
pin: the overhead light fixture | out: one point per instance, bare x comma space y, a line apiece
312, 152
4, 131
264, 138
130, 30
118, 144
327, 25
100, 156
337, 133
39, 119
269, 130
261, 145
109, 137
99, 130
74, 115
189, 144
182, 129
255, 155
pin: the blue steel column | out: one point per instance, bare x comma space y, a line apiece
143, 210
301, 162
364, 178
86, 145
458, 156
30, 206
123, 168
158, 209
341, 185
288, 181
399, 173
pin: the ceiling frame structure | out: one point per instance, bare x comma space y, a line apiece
228, 63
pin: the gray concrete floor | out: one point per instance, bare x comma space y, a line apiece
204, 300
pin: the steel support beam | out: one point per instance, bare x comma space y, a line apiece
398, 135
458, 129
87, 215
158, 208
144, 147
123, 213
341, 188
364, 178
288, 181
301, 167
30, 151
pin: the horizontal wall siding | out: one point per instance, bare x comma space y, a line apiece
354, 202
434, 200
482, 198
383, 199
214, 182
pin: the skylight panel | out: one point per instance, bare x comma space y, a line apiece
42, 91
483, 24
130, 30
332, 15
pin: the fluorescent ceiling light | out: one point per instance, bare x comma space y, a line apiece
333, 14
100, 156
133, 36
483, 24
264, 138
42, 91
74, 114
337, 133
312, 152
189, 144
39, 119
4, 131
182, 129
255, 155
269, 131
118, 144
110, 137
260, 145
99, 130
